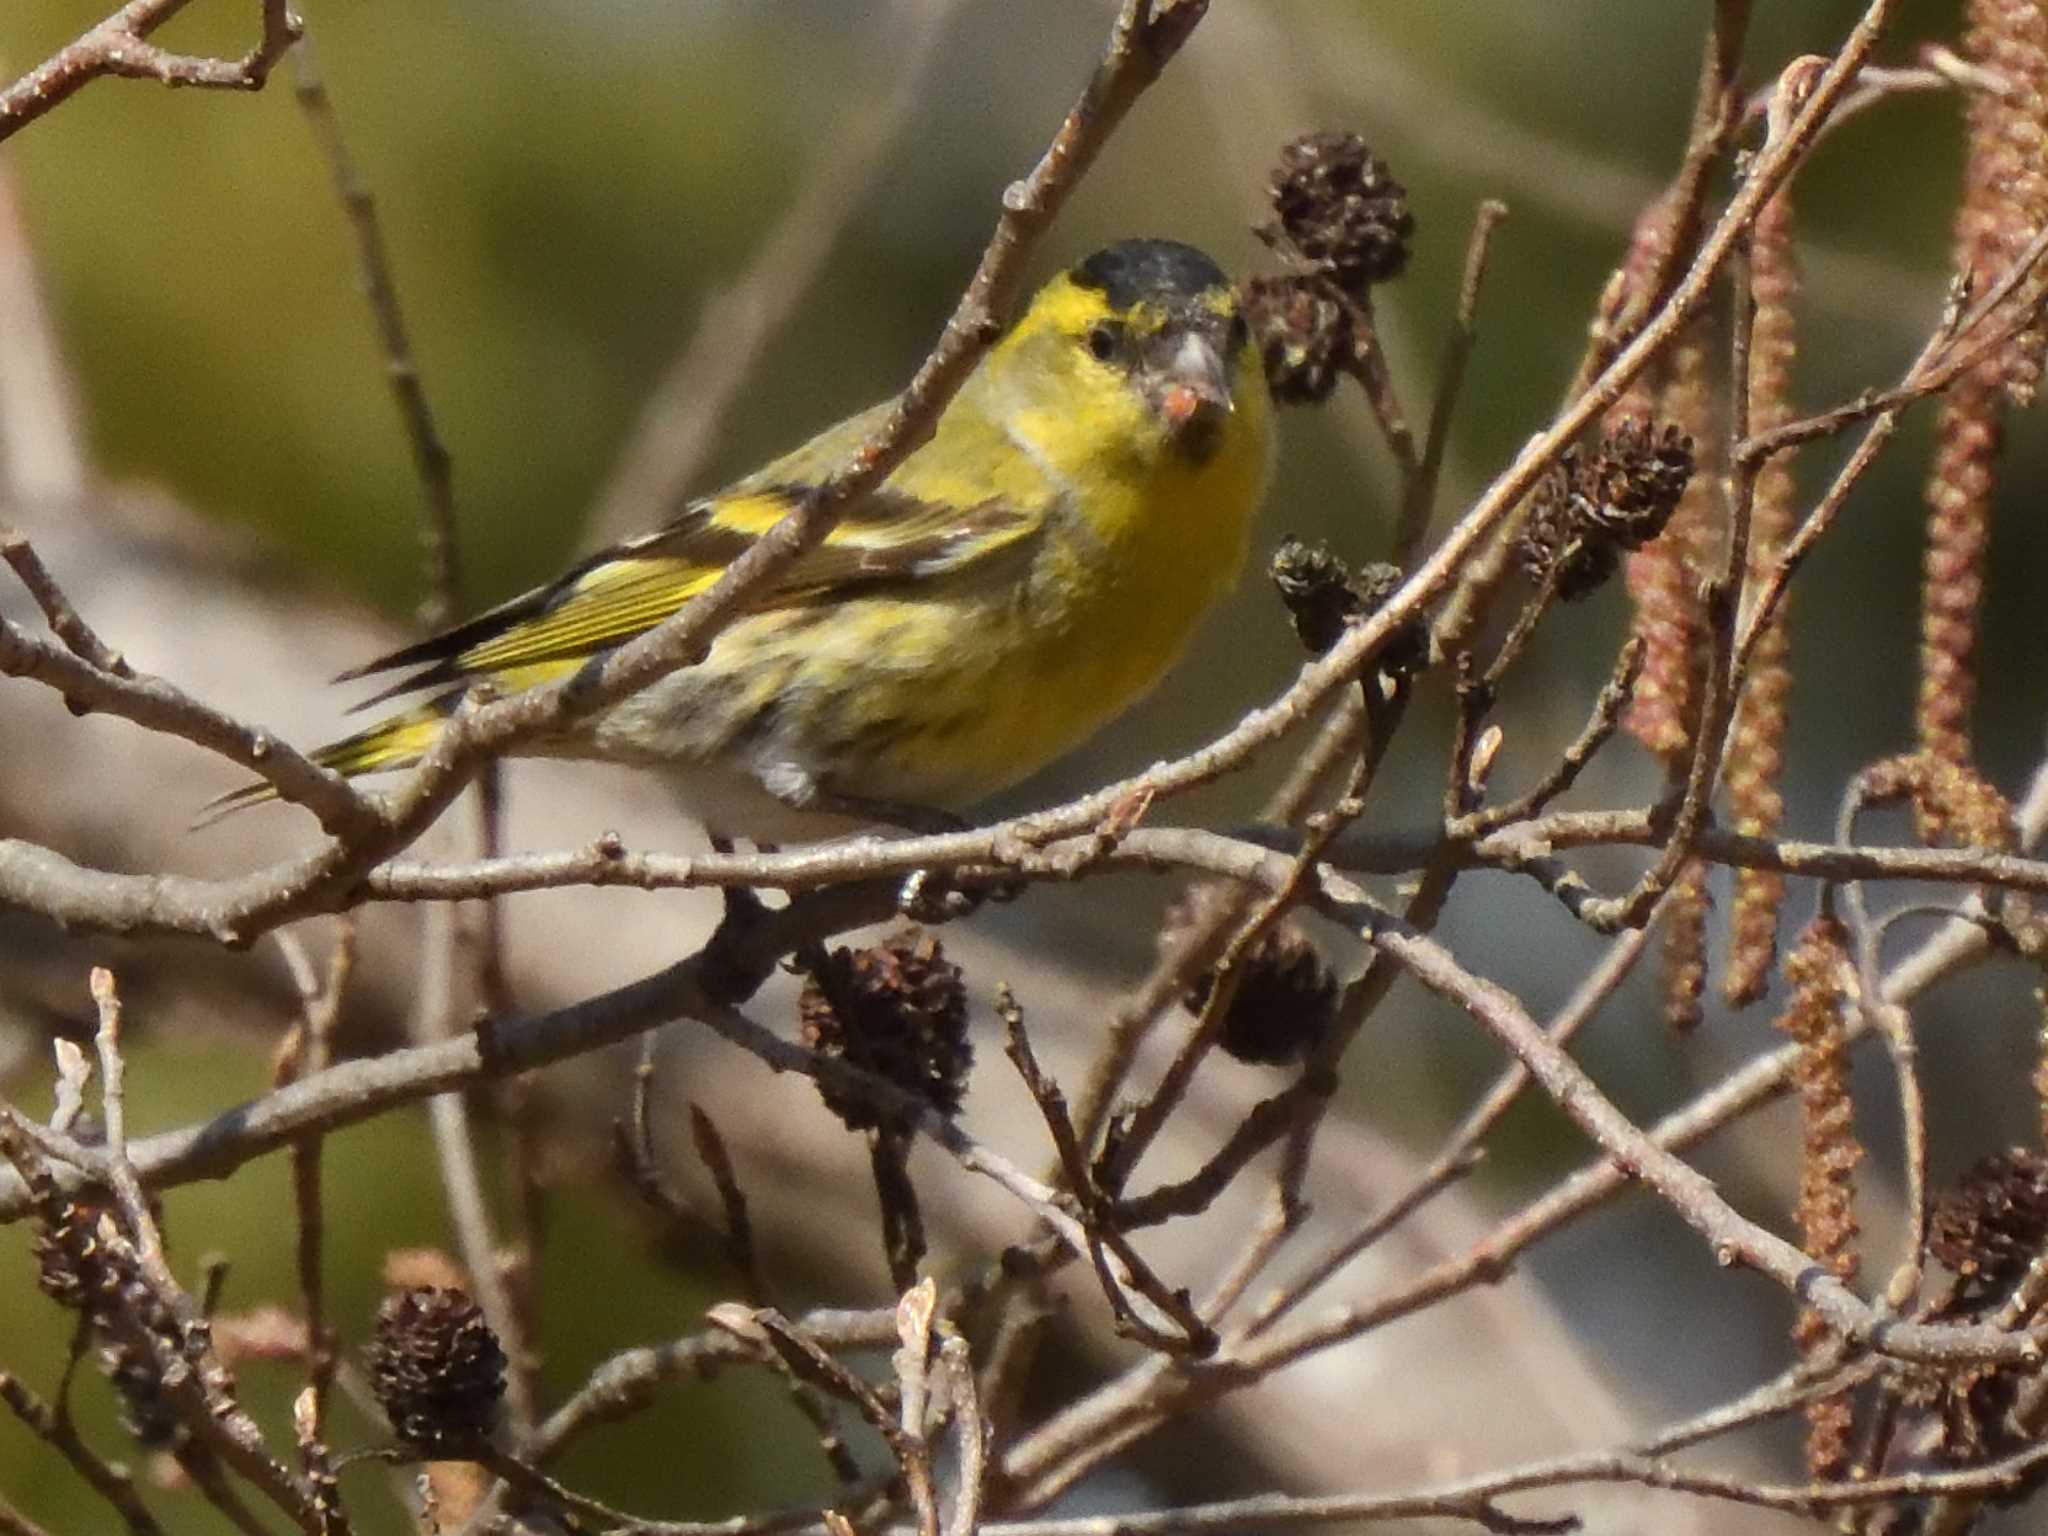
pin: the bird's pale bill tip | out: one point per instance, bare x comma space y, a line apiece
1201, 383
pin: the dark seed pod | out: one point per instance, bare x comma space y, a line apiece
137, 1334
1407, 649
1284, 1003
71, 1266
1587, 510
1318, 590
147, 1409
1632, 486
1341, 209
436, 1367
897, 1009
1305, 336
1994, 1222
1323, 597
1559, 535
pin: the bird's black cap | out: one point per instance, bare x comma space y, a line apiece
1162, 271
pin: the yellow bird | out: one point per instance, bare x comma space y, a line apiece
1017, 582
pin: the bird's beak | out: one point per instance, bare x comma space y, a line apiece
1197, 385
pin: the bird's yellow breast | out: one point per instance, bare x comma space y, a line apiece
1139, 540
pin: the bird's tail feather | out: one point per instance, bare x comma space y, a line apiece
399, 741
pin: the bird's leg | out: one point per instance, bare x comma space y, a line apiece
931, 896
727, 976
926, 895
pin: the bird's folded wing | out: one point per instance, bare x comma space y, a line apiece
888, 537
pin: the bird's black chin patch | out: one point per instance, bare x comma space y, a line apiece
1198, 437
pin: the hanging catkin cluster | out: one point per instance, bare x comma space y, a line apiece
1664, 582
1663, 576
1756, 757
1816, 1019
2005, 204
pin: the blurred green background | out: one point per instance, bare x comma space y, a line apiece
564, 182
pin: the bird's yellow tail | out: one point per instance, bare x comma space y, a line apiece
398, 741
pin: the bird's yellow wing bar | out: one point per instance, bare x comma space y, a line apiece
887, 538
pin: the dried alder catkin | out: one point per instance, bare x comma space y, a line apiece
1284, 1001
1682, 945
1342, 223
1993, 1222
1594, 507
1756, 756
1816, 1017
1987, 1230
1664, 581
436, 1367
897, 1009
1337, 205
1664, 576
2005, 204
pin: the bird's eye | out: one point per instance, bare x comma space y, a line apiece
1102, 341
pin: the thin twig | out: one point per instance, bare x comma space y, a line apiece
1101, 1236
970, 1433
431, 459
1368, 365
57, 1431
1598, 729
14, 1523
814, 1364
628, 1382
1714, 113
120, 46
1419, 501
739, 1226
1463, 1148
1894, 1026
913, 1363
63, 619
192, 1373
1471, 1499
312, 1050
434, 1020
159, 706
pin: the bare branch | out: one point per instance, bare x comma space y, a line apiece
120, 46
